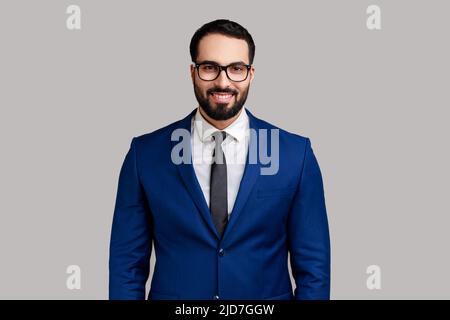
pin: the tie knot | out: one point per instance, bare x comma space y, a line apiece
218, 155
219, 136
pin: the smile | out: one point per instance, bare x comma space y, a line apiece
222, 97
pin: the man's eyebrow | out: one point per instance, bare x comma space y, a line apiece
214, 62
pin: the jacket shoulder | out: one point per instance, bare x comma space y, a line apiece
161, 135
284, 135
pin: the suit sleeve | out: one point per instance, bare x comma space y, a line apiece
131, 238
308, 234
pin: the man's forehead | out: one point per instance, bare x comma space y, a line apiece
222, 49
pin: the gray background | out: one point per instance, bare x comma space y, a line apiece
374, 103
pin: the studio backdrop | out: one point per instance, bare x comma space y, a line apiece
366, 81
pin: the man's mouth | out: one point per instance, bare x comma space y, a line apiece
222, 97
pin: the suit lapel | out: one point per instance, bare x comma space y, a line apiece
187, 173
251, 174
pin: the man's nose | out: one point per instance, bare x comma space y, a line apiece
222, 80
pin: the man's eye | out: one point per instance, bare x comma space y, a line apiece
237, 68
209, 67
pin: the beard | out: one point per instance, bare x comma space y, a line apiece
220, 111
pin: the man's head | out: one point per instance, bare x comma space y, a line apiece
222, 43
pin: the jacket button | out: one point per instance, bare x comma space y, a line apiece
216, 297
221, 252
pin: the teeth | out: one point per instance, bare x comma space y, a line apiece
222, 96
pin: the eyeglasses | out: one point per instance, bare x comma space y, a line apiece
209, 71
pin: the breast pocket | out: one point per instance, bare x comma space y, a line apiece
275, 192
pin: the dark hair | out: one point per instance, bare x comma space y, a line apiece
226, 28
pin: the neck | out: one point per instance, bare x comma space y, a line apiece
219, 124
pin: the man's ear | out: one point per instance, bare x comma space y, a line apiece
252, 74
192, 69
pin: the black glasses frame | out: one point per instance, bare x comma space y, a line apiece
224, 68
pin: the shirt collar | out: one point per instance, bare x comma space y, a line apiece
236, 130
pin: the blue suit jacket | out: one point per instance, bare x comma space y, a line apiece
162, 203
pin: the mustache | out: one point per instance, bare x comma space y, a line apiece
219, 90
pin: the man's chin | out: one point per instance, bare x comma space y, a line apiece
223, 107
220, 104
221, 111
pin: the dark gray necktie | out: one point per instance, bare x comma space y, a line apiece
218, 184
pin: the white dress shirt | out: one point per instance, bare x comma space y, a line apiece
235, 148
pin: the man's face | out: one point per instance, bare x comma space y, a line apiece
222, 50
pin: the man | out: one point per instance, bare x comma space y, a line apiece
222, 227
